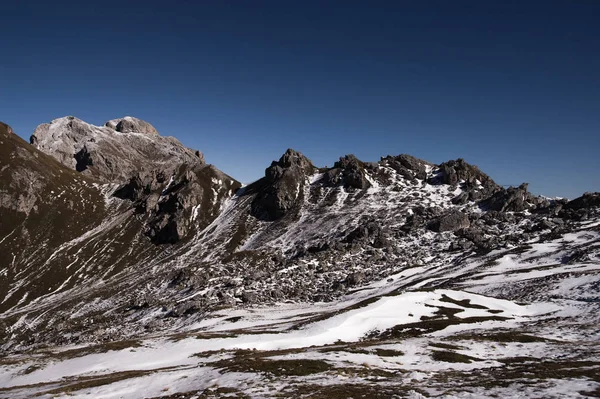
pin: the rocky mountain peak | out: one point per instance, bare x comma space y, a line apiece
291, 163
115, 152
476, 185
455, 171
29, 180
407, 166
349, 171
130, 124
169, 186
282, 188
587, 200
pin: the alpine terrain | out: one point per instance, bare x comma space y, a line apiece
131, 268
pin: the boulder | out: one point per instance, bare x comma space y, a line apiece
249, 297
356, 278
452, 221
369, 232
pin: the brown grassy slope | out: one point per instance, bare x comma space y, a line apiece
42, 205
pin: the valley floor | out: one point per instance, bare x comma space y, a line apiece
440, 343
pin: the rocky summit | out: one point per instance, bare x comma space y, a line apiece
130, 267
115, 152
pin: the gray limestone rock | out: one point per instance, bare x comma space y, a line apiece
115, 152
475, 184
349, 171
130, 124
282, 188
191, 198
163, 178
513, 199
407, 166
587, 200
452, 221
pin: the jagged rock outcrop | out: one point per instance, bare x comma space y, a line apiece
454, 171
193, 197
580, 208
513, 199
419, 217
587, 200
141, 185
349, 171
368, 232
475, 184
116, 152
282, 188
408, 166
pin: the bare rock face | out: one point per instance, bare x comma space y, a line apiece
173, 205
141, 185
368, 231
580, 208
452, 172
192, 198
130, 124
513, 199
6, 128
407, 166
476, 185
587, 200
282, 188
170, 186
116, 152
452, 221
349, 171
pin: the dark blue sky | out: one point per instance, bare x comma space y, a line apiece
511, 86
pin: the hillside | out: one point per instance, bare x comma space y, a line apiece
127, 261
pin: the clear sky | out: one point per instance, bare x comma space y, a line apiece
511, 86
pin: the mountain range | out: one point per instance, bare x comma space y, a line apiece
114, 238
